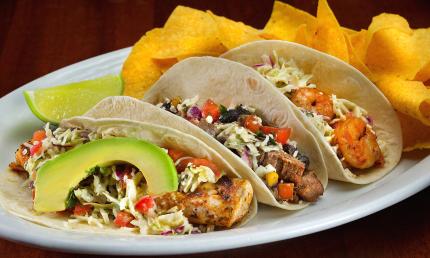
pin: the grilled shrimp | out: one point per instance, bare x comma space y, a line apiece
314, 100
221, 204
357, 143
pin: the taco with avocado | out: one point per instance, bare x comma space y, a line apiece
233, 110
124, 177
356, 127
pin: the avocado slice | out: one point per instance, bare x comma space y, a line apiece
57, 177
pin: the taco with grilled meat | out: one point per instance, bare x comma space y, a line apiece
356, 127
232, 109
124, 177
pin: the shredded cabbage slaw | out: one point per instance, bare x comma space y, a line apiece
108, 192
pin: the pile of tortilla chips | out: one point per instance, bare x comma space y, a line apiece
394, 56
187, 32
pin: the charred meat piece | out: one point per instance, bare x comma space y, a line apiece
207, 127
288, 167
310, 187
290, 149
221, 204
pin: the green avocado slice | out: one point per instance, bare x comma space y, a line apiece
57, 177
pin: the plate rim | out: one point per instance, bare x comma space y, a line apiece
197, 245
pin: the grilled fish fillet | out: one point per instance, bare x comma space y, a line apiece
221, 204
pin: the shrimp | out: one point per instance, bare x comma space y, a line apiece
314, 100
357, 143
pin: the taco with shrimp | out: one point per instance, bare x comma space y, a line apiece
124, 177
233, 110
356, 127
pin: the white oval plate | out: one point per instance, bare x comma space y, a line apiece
341, 203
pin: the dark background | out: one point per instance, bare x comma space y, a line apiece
38, 37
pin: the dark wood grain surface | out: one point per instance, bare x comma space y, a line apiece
38, 37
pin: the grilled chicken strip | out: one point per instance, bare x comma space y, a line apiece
221, 204
22, 154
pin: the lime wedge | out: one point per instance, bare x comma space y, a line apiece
74, 99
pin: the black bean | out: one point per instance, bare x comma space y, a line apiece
290, 149
52, 127
232, 115
303, 159
166, 106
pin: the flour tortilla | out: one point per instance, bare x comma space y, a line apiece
334, 76
15, 196
227, 83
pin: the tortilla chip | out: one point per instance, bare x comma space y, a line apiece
232, 33
186, 32
393, 52
329, 36
386, 21
138, 71
421, 38
424, 74
359, 43
348, 31
409, 97
355, 60
183, 17
285, 21
416, 135
267, 36
165, 63
303, 35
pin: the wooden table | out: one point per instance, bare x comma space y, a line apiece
37, 37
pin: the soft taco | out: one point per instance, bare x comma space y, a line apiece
124, 177
233, 110
356, 127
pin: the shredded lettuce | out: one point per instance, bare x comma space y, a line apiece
342, 107
323, 126
242, 140
285, 75
192, 177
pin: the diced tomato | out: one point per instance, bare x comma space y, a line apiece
123, 219
251, 123
81, 210
282, 135
180, 167
211, 109
285, 191
198, 162
39, 135
269, 130
35, 149
144, 204
175, 154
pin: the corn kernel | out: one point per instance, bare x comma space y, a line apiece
272, 178
176, 101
